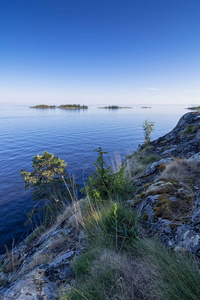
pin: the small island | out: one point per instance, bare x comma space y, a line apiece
43, 106
115, 107
194, 107
146, 107
73, 106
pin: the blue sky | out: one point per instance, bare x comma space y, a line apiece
99, 52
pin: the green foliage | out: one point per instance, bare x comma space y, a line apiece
112, 107
190, 129
103, 183
101, 281
176, 277
115, 107
43, 106
149, 159
35, 234
83, 263
148, 127
47, 180
194, 107
3, 268
113, 223
73, 106
141, 158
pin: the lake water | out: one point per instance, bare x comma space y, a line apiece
71, 135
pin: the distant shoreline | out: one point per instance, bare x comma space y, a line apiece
114, 107
64, 106
193, 108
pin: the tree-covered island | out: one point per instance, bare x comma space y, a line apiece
73, 106
64, 106
43, 106
114, 107
194, 107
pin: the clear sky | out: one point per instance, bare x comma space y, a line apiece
99, 52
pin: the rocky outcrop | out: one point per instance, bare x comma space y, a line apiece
169, 200
183, 140
37, 269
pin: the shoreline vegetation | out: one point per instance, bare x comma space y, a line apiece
115, 107
194, 107
63, 106
108, 244
43, 106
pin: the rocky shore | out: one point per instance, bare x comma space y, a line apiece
167, 198
169, 189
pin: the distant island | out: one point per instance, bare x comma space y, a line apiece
115, 107
73, 106
43, 106
193, 107
146, 107
64, 106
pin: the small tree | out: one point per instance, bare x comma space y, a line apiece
48, 181
148, 127
103, 183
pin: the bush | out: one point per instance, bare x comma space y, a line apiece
148, 127
104, 184
48, 181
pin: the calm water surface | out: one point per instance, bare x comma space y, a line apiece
72, 135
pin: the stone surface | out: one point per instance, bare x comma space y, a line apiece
44, 265
33, 286
170, 207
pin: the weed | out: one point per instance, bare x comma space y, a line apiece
35, 234
190, 129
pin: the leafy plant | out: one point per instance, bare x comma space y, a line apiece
48, 181
148, 127
103, 183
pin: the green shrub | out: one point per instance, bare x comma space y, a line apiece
104, 184
48, 181
148, 127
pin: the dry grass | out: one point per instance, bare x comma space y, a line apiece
139, 160
37, 260
114, 276
182, 170
116, 162
57, 243
134, 279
